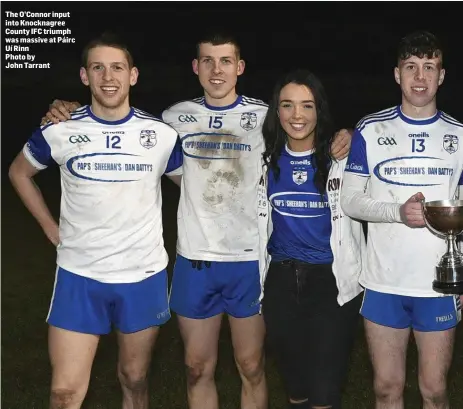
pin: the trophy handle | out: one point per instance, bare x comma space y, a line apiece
434, 231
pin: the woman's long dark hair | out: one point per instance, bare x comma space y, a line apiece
275, 137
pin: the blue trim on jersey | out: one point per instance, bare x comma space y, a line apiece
40, 149
73, 172
386, 113
460, 182
79, 111
418, 121
138, 113
253, 101
105, 122
390, 182
77, 118
176, 157
450, 120
373, 120
231, 106
357, 161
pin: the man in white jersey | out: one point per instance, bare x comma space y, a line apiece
111, 261
399, 157
217, 268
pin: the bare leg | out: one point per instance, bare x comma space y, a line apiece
435, 350
248, 336
201, 339
71, 357
135, 352
388, 351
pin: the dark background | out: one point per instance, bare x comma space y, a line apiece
351, 46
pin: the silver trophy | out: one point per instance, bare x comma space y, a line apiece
445, 219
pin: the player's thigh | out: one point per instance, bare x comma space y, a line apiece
195, 293
71, 356
248, 336
135, 352
241, 287
141, 305
79, 304
388, 349
200, 338
435, 351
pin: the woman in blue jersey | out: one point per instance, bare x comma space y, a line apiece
311, 297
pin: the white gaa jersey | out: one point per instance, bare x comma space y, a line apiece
222, 146
403, 156
110, 221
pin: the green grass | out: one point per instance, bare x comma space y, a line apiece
28, 267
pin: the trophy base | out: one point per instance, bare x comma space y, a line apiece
448, 288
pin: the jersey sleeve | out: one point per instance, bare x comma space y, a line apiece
357, 161
175, 162
460, 182
37, 151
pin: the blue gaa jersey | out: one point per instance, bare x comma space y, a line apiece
223, 146
301, 217
110, 221
402, 156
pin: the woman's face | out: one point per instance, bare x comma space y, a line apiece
298, 114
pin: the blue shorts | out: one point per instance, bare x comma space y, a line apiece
88, 306
420, 313
229, 287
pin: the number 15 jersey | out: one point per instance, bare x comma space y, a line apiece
222, 146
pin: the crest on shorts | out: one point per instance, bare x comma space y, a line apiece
248, 121
148, 138
450, 143
299, 176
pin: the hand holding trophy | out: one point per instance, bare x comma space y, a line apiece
445, 219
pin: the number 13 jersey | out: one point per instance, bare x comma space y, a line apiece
403, 156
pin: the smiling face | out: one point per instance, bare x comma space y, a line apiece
218, 68
109, 77
298, 116
419, 79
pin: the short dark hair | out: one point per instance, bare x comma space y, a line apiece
275, 137
107, 39
219, 38
419, 44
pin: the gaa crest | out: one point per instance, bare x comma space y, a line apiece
450, 143
148, 138
248, 121
299, 176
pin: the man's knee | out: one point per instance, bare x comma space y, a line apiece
62, 398
389, 388
134, 379
433, 389
251, 367
198, 370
